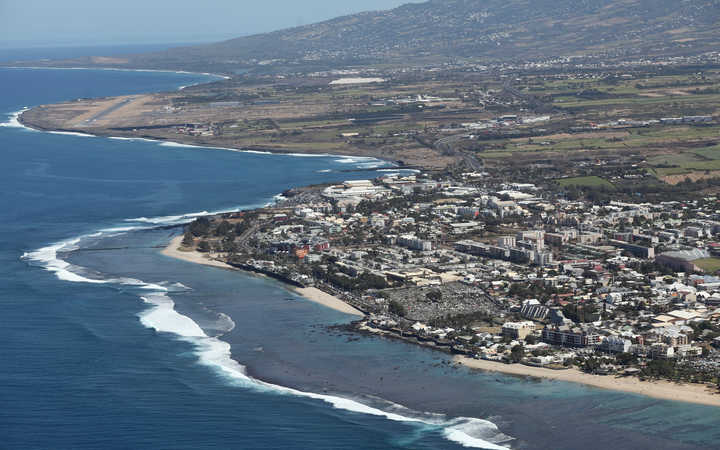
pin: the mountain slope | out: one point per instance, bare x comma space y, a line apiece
484, 29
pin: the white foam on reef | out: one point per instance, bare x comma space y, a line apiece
48, 257
72, 133
215, 353
119, 138
117, 69
206, 147
14, 120
355, 159
309, 155
189, 217
276, 198
399, 170
169, 220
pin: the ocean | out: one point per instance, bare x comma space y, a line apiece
106, 343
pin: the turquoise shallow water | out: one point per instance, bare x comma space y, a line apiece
129, 349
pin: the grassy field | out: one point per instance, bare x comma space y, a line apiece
687, 167
591, 181
709, 152
709, 265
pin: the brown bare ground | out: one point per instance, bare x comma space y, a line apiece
694, 176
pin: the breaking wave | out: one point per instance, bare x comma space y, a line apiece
210, 147
72, 133
14, 120
216, 354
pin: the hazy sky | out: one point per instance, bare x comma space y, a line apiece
88, 22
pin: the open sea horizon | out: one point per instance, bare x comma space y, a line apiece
109, 344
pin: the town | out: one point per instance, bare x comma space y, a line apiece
515, 272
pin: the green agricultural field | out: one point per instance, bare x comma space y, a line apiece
709, 152
674, 159
709, 265
689, 167
591, 181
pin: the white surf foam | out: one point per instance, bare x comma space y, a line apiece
355, 159
209, 147
310, 155
275, 200
72, 133
216, 354
215, 75
119, 138
48, 257
189, 217
14, 120
123, 229
169, 220
399, 170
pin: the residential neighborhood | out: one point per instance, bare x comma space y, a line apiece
509, 272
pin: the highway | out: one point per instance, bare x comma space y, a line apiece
446, 146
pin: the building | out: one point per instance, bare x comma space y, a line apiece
673, 337
517, 330
506, 241
532, 309
615, 344
637, 250
566, 336
661, 350
414, 243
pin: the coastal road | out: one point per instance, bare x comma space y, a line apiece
243, 239
447, 146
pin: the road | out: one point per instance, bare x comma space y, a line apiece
447, 146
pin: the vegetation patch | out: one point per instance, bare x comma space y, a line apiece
590, 181
710, 265
712, 153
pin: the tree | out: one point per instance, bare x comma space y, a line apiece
517, 353
397, 308
188, 239
200, 226
203, 246
434, 295
224, 228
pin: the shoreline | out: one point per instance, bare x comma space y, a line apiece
121, 69
312, 294
173, 250
17, 117
661, 389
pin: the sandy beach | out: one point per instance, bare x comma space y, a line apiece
318, 296
313, 294
173, 250
665, 390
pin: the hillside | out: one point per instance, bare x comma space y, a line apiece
489, 30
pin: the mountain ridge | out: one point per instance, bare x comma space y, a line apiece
486, 30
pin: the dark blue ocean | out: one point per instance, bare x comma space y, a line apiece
106, 343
